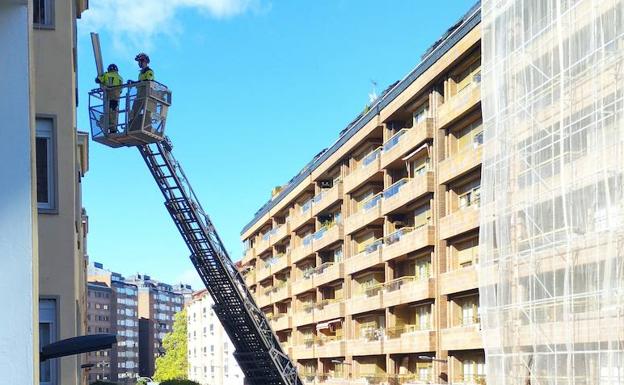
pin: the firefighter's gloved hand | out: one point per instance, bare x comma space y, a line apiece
97, 80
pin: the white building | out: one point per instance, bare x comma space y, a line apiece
211, 353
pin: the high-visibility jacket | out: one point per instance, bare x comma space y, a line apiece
111, 79
146, 74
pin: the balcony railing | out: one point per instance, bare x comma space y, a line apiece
395, 188
397, 283
307, 240
472, 379
371, 157
373, 246
394, 139
373, 290
398, 331
370, 203
372, 334
306, 206
396, 236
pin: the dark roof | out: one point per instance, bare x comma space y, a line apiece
455, 33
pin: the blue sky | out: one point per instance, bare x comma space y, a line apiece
259, 87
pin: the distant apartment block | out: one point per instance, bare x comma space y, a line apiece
123, 313
210, 351
364, 262
100, 301
157, 304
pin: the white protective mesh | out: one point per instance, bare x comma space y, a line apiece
551, 272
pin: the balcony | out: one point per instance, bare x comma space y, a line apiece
457, 280
460, 163
281, 322
459, 104
328, 272
405, 140
407, 289
303, 250
304, 315
370, 342
263, 272
326, 198
408, 339
301, 215
380, 378
305, 350
248, 256
461, 338
406, 240
405, 191
327, 235
279, 263
459, 222
263, 299
330, 347
263, 244
332, 379
303, 284
371, 256
369, 211
281, 292
279, 233
328, 310
372, 299
250, 278
368, 166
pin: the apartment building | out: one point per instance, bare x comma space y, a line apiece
99, 320
45, 158
365, 261
210, 351
552, 263
157, 304
123, 313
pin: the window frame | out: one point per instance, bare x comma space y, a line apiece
51, 5
51, 316
50, 207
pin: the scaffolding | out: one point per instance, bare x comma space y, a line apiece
551, 272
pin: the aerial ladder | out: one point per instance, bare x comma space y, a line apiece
139, 121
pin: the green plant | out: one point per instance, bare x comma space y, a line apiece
179, 382
174, 364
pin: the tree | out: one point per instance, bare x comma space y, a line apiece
173, 365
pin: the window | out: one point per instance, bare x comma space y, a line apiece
45, 159
47, 335
470, 136
470, 194
421, 113
469, 310
423, 317
43, 13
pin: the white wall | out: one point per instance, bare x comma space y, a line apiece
18, 248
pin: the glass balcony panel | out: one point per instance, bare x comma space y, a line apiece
394, 140
397, 235
371, 157
395, 188
371, 203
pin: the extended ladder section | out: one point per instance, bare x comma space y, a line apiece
258, 351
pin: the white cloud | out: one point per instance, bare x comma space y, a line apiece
134, 24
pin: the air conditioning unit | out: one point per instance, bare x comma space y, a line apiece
329, 183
